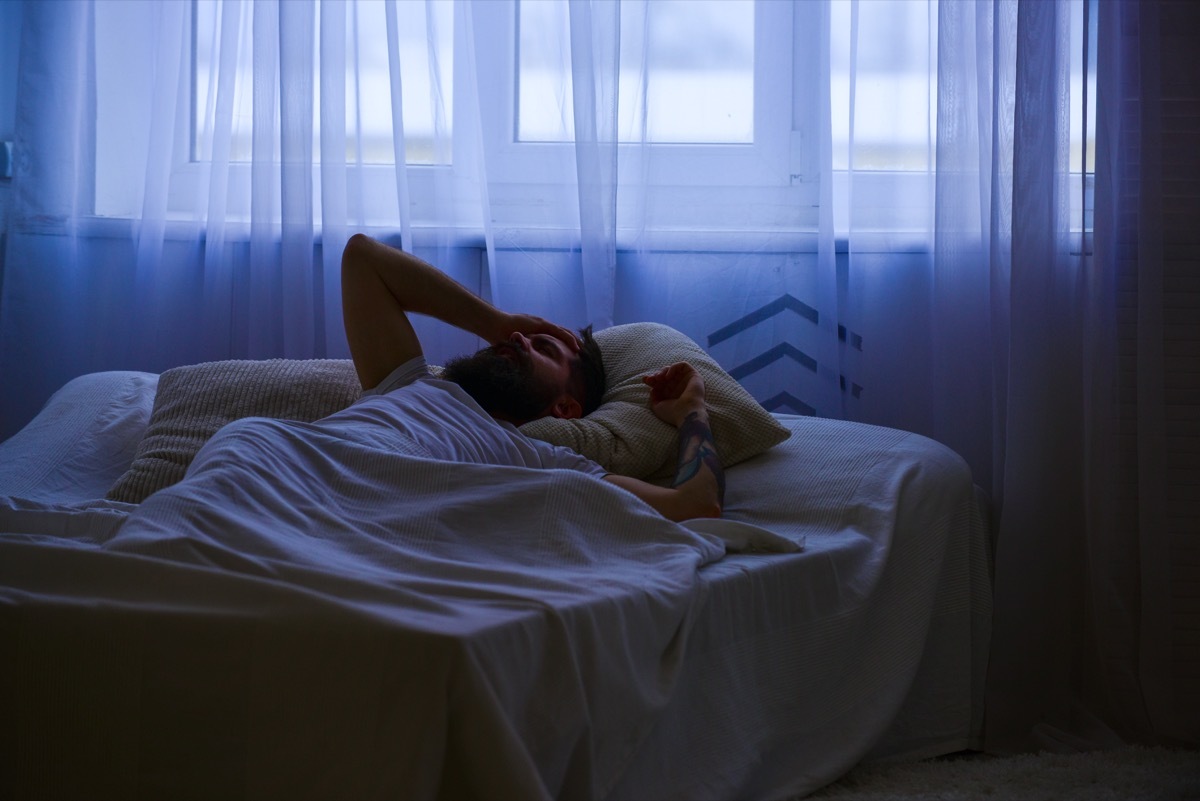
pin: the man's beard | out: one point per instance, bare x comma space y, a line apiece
505, 389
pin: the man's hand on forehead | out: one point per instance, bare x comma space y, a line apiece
530, 325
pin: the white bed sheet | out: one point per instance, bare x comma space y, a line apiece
871, 644
747, 676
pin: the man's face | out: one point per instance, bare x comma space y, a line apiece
518, 380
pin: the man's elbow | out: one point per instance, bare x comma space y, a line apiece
356, 249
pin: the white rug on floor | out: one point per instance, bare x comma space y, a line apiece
1126, 774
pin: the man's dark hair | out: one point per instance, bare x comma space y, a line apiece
587, 372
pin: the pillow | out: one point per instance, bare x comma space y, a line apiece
625, 437
82, 440
194, 401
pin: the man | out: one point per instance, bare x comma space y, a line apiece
533, 368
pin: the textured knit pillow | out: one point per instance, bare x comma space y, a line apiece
194, 401
625, 437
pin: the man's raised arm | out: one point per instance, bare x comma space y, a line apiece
381, 285
698, 489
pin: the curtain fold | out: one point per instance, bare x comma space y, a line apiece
894, 243
1142, 515
1043, 464
822, 289
217, 297
595, 65
1113, 615
296, 35
334, 186
961, 341
1157, 642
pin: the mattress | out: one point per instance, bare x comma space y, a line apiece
644, 660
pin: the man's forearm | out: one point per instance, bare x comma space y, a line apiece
419, 287
698, 489
677, 398
699, 480
698, 454
381, 286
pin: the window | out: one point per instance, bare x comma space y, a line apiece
713, 100
424, 47
719, 103
696, 85
894, 78
704, 120
884, 83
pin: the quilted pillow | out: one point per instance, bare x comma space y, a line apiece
625, 437
194, 401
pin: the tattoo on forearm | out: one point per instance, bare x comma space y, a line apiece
696, 448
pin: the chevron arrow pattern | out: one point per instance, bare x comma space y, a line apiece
783, 350
778, 306
785, 400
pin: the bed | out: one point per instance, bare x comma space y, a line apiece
569, 645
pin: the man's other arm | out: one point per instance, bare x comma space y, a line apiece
698, 489
382, 285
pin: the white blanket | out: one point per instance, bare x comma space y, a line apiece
455, 567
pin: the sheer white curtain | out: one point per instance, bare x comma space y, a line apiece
876, 224
1034, 383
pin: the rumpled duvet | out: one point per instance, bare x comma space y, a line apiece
261, 634
499, 631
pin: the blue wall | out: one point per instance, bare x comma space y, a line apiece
10, 43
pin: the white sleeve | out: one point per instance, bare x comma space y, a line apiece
413, 369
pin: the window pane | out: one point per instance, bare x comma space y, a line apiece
425, 36
426, 70
895, 84
691, 61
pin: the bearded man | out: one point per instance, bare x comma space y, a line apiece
533, 368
